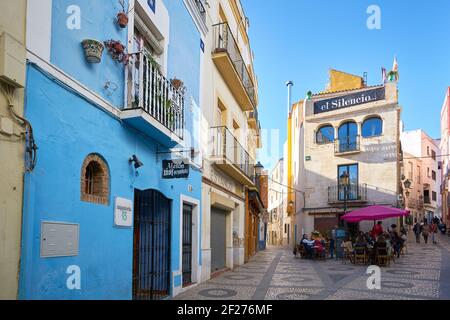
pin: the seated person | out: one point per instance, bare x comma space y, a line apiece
319, 247
369, 239
361, 240
347, 245
308, 245
381, 242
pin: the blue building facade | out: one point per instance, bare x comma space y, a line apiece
89, 120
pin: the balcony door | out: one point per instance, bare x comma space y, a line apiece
352, 190
348, 135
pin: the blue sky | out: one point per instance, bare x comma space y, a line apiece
300, 40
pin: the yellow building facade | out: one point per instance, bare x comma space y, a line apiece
12, 141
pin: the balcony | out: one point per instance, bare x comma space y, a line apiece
228, 154
155, 107
232, 67
346, 146
252, 120
426, 200
355, 194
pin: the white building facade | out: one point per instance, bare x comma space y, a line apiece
352, 131
422, 167
230, 138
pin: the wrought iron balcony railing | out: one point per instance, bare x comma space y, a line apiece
156, 95
355, 192
226, 146
224, 41
347, 144
201, 9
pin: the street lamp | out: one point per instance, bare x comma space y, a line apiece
258, 169
407, 184
344, 180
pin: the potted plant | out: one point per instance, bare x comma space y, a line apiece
117, 51
122, 17
177, 83
93, 50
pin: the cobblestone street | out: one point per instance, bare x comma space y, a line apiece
275, 274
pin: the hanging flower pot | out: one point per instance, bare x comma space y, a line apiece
177, 83
117, 51
122, 19
93, 50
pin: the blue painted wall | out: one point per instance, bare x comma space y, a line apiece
98, 21
68, 128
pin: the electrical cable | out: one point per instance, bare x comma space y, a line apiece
31, 148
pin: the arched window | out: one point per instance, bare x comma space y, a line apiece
95, 180
348, 136
372, 127
325, 135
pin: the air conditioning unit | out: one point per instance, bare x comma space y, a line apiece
12, 61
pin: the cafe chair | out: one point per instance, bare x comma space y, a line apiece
383, 259
360, 255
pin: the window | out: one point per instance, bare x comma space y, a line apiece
433, 155
428, 151
372, 127
348, 136
410, 173
434, 196
352, 171
325, 135
428, 172
418, 174
95, 180
433, 175
426, 196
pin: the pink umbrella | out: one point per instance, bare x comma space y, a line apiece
374, 213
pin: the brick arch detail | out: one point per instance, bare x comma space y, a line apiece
103, 198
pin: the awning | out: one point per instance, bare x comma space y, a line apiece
373, 213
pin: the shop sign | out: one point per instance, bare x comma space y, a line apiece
173, 169
351, 100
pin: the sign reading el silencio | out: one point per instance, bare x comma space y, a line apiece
349, 100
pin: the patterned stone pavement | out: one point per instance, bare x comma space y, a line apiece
275, 274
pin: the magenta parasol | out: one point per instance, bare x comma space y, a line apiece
373, 213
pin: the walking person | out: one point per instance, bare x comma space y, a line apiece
425, 231
332, 236
417, 231
433, 231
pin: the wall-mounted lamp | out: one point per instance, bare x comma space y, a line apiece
137, 162
407, 184
259, 168
291, 204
